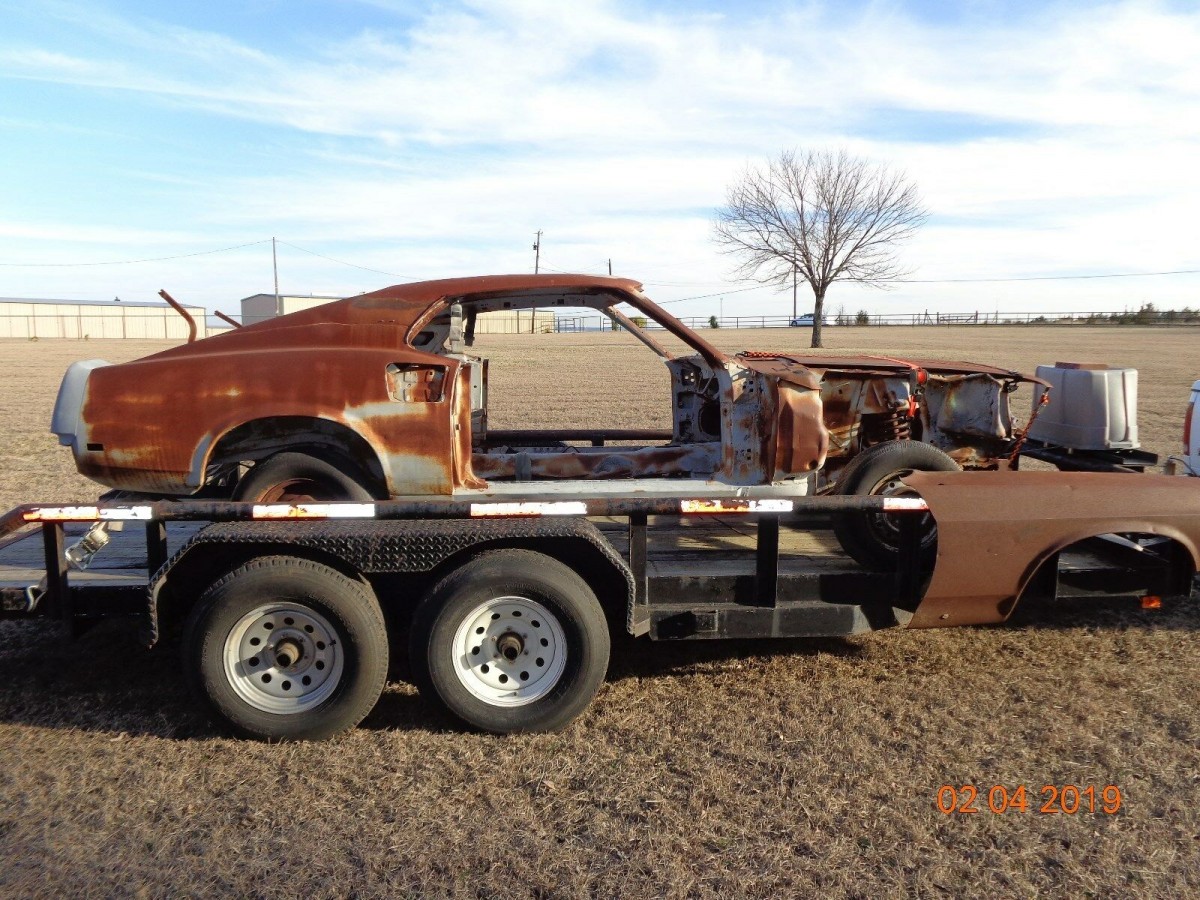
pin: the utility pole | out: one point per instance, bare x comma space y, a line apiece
537, 258
275, 268
610, 267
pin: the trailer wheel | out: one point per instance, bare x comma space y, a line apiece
511, 641
300, 478
873, 539
287, 649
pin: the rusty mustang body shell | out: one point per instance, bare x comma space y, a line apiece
383, 383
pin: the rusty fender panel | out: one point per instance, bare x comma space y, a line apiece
801, 438
995, 529
974, 405
164, 413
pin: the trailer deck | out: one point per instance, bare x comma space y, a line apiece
707, 560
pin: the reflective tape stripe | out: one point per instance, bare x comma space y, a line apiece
128, 513
904, 504
558, 508
89, 514
736, 506
314, 511
63, 514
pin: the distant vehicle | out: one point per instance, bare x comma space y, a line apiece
806, 321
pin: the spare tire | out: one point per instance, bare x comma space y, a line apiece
873, 538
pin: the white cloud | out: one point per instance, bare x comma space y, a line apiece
615, 128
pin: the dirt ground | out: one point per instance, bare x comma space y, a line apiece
781, 768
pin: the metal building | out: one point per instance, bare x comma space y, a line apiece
260, 307
82, 319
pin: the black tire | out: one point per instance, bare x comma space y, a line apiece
299, 477
545, 631
324, 650
873, 539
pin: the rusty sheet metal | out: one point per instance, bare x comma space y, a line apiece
154, 425
152, 422
996, 529
886, 364
801, 437
406, 415
688, 460
464, 476
545, 437
420, 302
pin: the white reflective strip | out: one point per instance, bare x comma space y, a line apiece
63, 514
559, 508
128, 513
314, 511
772, 506
900, 504
736, 506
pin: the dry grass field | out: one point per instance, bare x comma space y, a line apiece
771, 769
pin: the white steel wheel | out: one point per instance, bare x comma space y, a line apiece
510, 641
509, 651
282, 658
284, 648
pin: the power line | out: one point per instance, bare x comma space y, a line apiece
350, 264
1045, 277
128, 262
707, 296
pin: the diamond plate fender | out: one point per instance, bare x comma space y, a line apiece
394, 547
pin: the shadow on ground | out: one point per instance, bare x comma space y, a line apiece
106, 681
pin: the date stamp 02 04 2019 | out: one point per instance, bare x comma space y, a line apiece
1068, 799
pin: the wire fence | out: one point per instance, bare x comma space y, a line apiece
115, 322
863, 319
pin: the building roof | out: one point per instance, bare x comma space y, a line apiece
284, 296
95, 302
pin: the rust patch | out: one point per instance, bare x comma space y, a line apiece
531, 464
801, 438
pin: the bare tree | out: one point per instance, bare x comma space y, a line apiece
819, 217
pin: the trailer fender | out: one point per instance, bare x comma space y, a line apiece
362, 549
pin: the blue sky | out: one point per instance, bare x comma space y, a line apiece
433, 139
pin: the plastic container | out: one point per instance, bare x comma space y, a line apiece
1093, 406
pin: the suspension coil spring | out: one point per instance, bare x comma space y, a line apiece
893, 425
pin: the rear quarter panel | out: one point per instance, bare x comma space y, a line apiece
159, 418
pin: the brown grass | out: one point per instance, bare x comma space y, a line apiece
727, 769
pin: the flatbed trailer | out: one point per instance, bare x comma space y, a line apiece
508, 603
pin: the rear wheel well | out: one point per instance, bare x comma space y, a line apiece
1170, 568
330, 441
